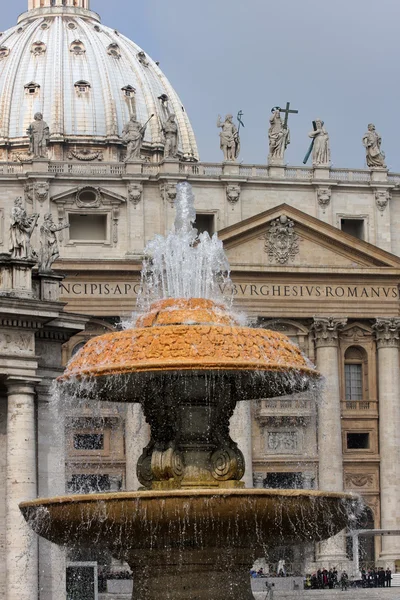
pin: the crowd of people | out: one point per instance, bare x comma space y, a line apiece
376, 577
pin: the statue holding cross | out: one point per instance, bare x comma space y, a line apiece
279, 133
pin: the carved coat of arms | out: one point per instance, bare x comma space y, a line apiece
281, 240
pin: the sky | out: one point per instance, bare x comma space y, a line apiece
337, 60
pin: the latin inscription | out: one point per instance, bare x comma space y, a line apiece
252, 290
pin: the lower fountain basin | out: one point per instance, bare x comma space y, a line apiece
205, 518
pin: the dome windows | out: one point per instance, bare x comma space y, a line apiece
77, 47
129, 91
38, 48
142, 58
44, 26
4, 52
32, 88
114, 51
71, 25
82, 87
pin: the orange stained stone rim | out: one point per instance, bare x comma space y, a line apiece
193, 334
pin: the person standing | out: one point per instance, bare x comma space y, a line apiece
388, 578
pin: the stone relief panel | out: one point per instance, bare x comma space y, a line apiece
15, 342
85, 155
283, 442
281, 241
324, 196
359, 480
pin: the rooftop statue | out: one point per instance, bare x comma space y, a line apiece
21, 229
372, 143
321, 153
230, 141
39, 135
170, 130
49, 251
279, 137
132, 136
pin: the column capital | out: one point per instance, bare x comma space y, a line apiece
387, 332
326, 330
21, 385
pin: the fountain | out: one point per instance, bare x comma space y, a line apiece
192, 532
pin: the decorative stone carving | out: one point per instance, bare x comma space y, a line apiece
21, 229
281, 240
41, 191
28, 192
382, 198
279, 138
357, 333
88, 197
229, 136
135, 191
324, 196
19, 156
170, 131
168, 192
85, 155
283, 442
372, 144
39, 135
132, 136
321, 149
233, 193
387, 332
326, 330
258, 480
354, 480
227, 463
14, 342
38, 48
49, 251
115, 219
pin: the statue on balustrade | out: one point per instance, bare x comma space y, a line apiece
21, 229
170, 130
320, 149
279, 137
372, 144
229, 136
39, 136
49, 251
132, 136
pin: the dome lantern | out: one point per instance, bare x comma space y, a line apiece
32, 4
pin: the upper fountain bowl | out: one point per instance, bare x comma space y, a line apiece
177, 336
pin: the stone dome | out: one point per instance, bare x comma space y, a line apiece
86, 79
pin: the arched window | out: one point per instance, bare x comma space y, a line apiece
355, 374
82, 87
77, 47
32, 88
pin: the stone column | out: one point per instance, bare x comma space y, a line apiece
21, 542
51, 482
387, 336
137, 436
330, 450
240, 432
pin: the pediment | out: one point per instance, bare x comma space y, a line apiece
76, 195
285, 237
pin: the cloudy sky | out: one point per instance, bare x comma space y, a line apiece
338, 60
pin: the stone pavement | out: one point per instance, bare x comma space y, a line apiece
351, 594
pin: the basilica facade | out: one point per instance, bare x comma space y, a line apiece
94, 139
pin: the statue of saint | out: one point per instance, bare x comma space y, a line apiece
170, 130
39, 136
279, 137
21, 229
132, 136
321, 149
372, 143
49, 251
230, 141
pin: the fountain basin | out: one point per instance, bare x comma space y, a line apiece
188, 336
191, 544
